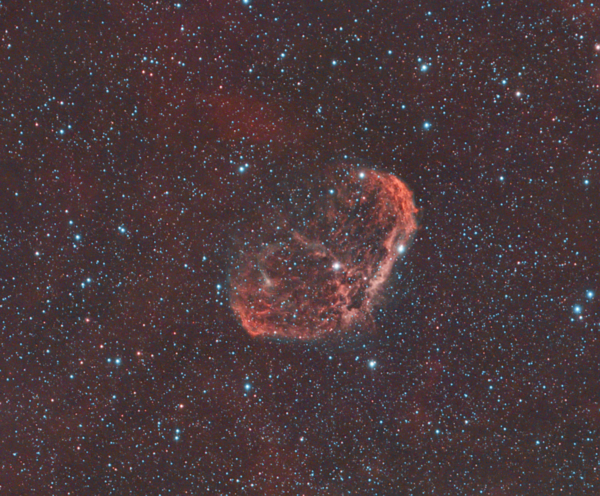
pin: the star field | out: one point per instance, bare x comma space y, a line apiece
143, 141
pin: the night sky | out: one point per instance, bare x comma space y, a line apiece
141, 142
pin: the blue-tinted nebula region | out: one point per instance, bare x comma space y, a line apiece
319, 261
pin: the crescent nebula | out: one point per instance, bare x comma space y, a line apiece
317, 264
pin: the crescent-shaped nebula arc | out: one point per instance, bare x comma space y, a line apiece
317, 266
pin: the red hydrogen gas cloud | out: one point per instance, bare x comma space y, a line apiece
319, 261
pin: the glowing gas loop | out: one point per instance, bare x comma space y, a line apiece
325, 271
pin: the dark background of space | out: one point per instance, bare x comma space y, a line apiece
139, 140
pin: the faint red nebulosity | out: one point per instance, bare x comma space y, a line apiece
241, 118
